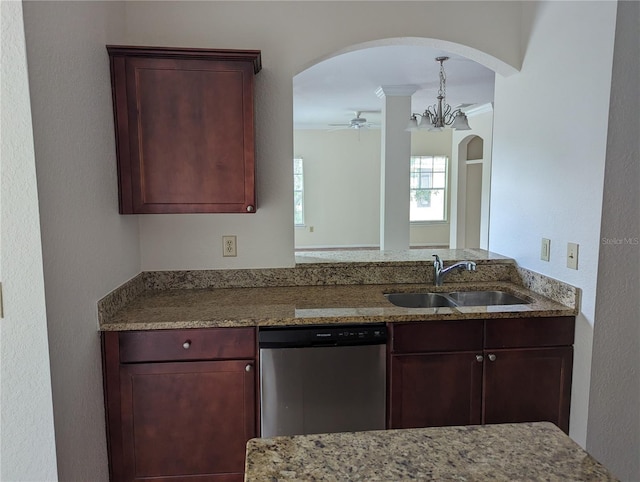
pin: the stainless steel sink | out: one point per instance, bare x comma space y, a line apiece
453, 299
485, 298
419, 300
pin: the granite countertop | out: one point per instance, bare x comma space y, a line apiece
224, 307
323, 289
505, 452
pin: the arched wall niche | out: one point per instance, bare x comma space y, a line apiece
470, 191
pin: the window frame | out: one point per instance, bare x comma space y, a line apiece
445, 189
298, 160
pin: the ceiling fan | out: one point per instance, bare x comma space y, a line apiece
356, 123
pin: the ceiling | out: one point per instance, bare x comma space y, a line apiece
331, 91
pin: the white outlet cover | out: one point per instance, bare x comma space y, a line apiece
229, 246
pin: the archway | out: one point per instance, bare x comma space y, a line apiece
480, 238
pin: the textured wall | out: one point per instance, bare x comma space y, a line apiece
88, 248
549, 145
27, 446
293, 36
614, 403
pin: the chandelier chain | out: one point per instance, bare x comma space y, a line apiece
443, 81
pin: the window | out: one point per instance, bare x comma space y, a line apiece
428, 188
298, 192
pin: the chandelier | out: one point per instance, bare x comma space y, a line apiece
441, 114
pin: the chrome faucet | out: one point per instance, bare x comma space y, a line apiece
439, 271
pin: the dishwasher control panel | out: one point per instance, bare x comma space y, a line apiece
322, 335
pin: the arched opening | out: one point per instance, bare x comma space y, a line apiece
344, 210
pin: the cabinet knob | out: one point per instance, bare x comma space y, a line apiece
479, 358
186, 344
492, 357
250, 209
247, 368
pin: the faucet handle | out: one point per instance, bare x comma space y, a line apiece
437, 260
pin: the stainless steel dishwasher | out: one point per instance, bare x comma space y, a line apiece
320, 379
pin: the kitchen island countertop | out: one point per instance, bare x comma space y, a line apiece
504, 452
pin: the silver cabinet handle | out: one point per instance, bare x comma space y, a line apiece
186, 344
250, 209
479, 358
247, 368
492, 357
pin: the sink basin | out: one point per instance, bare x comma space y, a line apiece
453, 299
485, 298
419, 300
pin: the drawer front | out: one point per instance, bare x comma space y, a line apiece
529, 332
436, 336
193, 344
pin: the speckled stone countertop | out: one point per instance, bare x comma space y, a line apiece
505, 452
323, 291
204, 308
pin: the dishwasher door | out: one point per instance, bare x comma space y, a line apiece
322, 389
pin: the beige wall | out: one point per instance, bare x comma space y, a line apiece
614, 401
292, 36
88, 248
547, 176
27, 443
342, 188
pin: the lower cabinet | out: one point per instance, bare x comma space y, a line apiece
528, 385
434, 390
480, 371
181, 404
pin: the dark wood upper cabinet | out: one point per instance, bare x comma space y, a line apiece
184, 122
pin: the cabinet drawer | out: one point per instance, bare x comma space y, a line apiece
436, 336
193, 344
529, 332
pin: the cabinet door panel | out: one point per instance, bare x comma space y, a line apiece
435, 389
528, 385
189, 132
187, 420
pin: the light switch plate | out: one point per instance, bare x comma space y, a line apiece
572, 255
545, 249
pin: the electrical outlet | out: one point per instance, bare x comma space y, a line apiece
229, 248
545, 249
572, 255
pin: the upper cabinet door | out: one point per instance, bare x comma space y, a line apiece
184, 129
